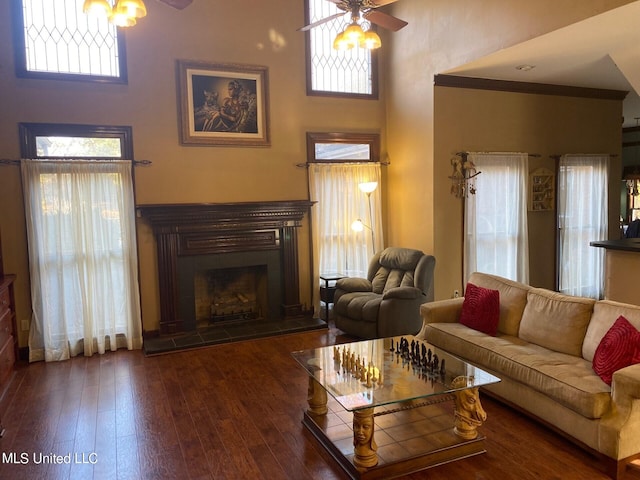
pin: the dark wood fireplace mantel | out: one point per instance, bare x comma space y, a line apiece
211, 228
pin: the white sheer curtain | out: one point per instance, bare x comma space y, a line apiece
82, 255
336, 246
495, 218
582, 218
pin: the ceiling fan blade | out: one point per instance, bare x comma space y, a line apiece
179, 4
320, 22
385, 20
380, 3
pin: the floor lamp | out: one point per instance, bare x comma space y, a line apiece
359, 225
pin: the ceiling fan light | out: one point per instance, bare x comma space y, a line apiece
354, 33
341, 42
121, 18
371, 40
134, 8
96, 7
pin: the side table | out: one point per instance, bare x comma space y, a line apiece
328, 290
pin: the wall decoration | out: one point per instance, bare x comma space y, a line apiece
223, 104
541, 190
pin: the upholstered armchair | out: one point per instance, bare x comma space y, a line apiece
387, 302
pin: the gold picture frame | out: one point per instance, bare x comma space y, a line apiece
223, 104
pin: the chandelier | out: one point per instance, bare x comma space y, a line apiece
124, 13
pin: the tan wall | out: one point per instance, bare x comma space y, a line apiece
239, 31
442, 35
481, 120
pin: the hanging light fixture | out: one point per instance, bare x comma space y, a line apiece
133, 8
342, 43
356, 36
124, 13
371, 40
97, 7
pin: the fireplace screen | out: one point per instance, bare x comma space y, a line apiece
230, 294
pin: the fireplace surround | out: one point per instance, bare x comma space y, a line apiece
196, 238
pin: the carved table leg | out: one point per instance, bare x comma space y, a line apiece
317, 398
365, 448
468, 412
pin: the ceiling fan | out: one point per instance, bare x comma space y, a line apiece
362, 9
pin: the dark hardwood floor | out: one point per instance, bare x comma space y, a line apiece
229, 411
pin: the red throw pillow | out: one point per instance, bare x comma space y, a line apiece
481, 309
619, 348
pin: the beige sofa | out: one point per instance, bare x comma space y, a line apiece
543, 354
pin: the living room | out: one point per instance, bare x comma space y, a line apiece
420, 125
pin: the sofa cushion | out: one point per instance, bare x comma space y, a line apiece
513, 298
481, 309
619, 348
567, 379
359, 306
605, 313
556, 321
396, 268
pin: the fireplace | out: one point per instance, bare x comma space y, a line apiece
220, 263
227, 287
229, 294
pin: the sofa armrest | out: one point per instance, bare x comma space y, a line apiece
625, 385
441, 311
353, 284
403, 293
619, 429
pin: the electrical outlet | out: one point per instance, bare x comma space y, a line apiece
456, 293
24, 325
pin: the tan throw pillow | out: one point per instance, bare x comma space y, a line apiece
556, 321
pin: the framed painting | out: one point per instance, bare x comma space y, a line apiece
223, 104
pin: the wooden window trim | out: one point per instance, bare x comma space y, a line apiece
29, 132
20, 56
371, 139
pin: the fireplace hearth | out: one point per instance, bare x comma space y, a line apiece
226, 263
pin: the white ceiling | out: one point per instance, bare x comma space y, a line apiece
600, 52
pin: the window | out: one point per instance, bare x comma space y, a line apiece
54, 39
79, 211
338, 163
582, 218
331, 72
47, 140
495, 218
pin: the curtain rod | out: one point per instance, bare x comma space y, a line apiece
535, 155
557, 156
325, 162
136, 163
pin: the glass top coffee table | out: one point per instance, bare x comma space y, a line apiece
394, 386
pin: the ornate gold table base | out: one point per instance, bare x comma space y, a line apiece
469, 413
365, 464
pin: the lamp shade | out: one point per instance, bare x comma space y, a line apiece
368, 187
121, 18
342, 43
354, 34
96, 7
371, 40
133, 8
357, 226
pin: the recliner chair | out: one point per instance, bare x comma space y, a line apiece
387, 302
